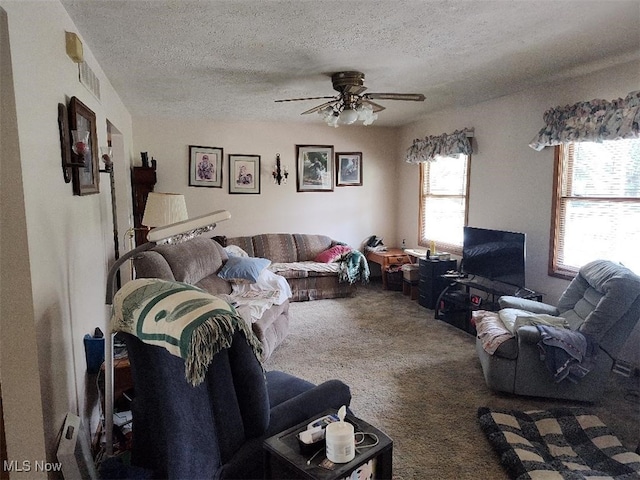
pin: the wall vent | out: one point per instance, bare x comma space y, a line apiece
89, 79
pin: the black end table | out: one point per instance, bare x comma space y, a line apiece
283, 459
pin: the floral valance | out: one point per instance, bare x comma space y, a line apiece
445, 145
592, 121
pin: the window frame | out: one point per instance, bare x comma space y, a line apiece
555, 268
423, 239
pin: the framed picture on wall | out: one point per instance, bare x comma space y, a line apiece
313, 168
205, 166
244, 174
348, 169
85, 179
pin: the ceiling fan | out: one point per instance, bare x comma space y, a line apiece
351, 103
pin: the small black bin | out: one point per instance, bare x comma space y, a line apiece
394, 278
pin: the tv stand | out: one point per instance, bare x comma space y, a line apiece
463, 295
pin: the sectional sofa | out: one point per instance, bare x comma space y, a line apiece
308, 267
198, 262
315, 266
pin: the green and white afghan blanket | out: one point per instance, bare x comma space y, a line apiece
185, 320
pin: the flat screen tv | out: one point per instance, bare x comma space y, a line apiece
494, 254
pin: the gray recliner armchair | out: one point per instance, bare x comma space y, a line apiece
602, 301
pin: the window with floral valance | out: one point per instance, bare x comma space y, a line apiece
431, 147
594, 121
596, 205
444, 171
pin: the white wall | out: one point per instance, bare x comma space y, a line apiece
348, 214
70, 240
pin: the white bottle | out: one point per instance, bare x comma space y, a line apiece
341, 447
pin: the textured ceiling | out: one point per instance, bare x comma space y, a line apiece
231, 59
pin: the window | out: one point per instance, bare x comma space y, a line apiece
443, 202
596, 210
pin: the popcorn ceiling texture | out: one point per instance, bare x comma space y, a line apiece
229, 60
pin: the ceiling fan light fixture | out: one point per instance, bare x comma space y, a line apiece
348, 116
352, 104
332, 119
366, 114
369, 120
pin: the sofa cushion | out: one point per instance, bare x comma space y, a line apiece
214, 284
245, 243
151, 264
310, 246
277, 247
193, 260
239, 269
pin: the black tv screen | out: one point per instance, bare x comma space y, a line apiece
494, 254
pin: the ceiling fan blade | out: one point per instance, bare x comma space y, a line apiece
416, 97
375, 106
298, 99
320, 107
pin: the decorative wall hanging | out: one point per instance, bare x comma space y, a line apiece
82, 122
280, 173
244, 174
593, 121
205, 166
314, 169
445, 145
348, 169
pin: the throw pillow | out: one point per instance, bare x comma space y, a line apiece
235, 251
243, 269
332, 254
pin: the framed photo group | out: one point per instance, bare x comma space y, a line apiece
318, 169
206, 164
316, 166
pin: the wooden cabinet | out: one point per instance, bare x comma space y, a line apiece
143, 181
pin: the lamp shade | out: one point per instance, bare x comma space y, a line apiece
164, 209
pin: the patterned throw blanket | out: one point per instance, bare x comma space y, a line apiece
353, 267
560, 443
181, 318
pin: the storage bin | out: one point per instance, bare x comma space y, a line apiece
394, 278
410, 272
94, 353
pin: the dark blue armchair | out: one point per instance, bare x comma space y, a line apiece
215, 430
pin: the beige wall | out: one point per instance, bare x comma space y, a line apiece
348, 214
20, 393
62, 243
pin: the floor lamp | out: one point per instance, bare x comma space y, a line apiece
167, 234
160, 209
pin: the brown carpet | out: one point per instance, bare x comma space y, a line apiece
418, 379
